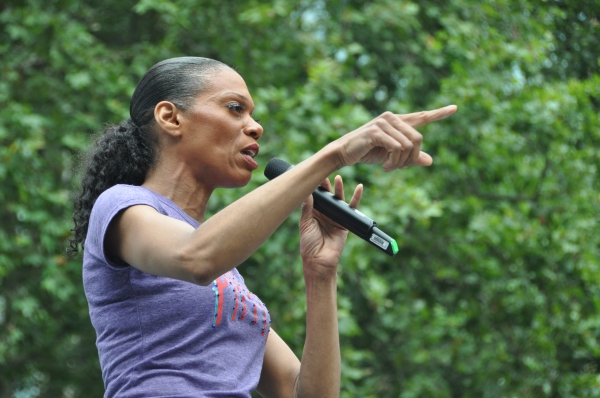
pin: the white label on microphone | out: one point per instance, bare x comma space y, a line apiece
379, 242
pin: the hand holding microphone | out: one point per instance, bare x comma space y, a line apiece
340, 212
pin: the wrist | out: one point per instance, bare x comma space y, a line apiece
331, 153
320, 288
319, 273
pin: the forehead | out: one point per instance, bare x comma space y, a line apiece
226, 81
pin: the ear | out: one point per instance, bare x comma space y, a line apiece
167, 117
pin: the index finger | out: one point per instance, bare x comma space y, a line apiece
420, 118
355, 201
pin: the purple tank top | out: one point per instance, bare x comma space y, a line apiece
161, 337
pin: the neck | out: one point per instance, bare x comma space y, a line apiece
176, 184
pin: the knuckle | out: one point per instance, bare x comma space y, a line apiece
396, 146
380, 123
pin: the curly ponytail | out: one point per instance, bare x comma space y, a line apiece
125, 153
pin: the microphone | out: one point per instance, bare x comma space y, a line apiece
341, 212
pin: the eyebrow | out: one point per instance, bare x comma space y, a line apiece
237, 94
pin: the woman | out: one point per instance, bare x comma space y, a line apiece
173, 316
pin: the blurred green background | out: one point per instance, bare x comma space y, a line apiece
496, 290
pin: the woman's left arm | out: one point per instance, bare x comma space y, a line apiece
319, 372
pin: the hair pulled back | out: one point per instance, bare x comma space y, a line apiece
124, 153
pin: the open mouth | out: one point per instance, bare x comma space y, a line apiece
249, 152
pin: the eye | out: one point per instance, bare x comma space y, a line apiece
236, 107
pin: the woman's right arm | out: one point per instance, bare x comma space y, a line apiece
160, 245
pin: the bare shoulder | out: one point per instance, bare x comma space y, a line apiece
150, 241
126, 221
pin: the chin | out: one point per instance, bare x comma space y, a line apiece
239, 182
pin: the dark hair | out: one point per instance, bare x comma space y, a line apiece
124, 153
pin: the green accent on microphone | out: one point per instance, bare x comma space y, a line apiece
394, 246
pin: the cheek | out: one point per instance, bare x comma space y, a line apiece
224, 150
219, 142
228, 145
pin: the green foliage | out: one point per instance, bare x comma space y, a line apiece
496, 290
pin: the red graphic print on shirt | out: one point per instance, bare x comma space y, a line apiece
244, 302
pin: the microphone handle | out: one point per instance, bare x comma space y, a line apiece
355, 222
341, 212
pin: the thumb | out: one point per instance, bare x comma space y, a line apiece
307, 208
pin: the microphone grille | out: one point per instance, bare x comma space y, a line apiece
276, 167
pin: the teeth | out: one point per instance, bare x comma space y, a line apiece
249, 152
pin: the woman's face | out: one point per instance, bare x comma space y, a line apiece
219, 141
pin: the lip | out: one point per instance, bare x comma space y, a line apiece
253, 147
249, 159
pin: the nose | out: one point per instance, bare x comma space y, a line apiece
254, 129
